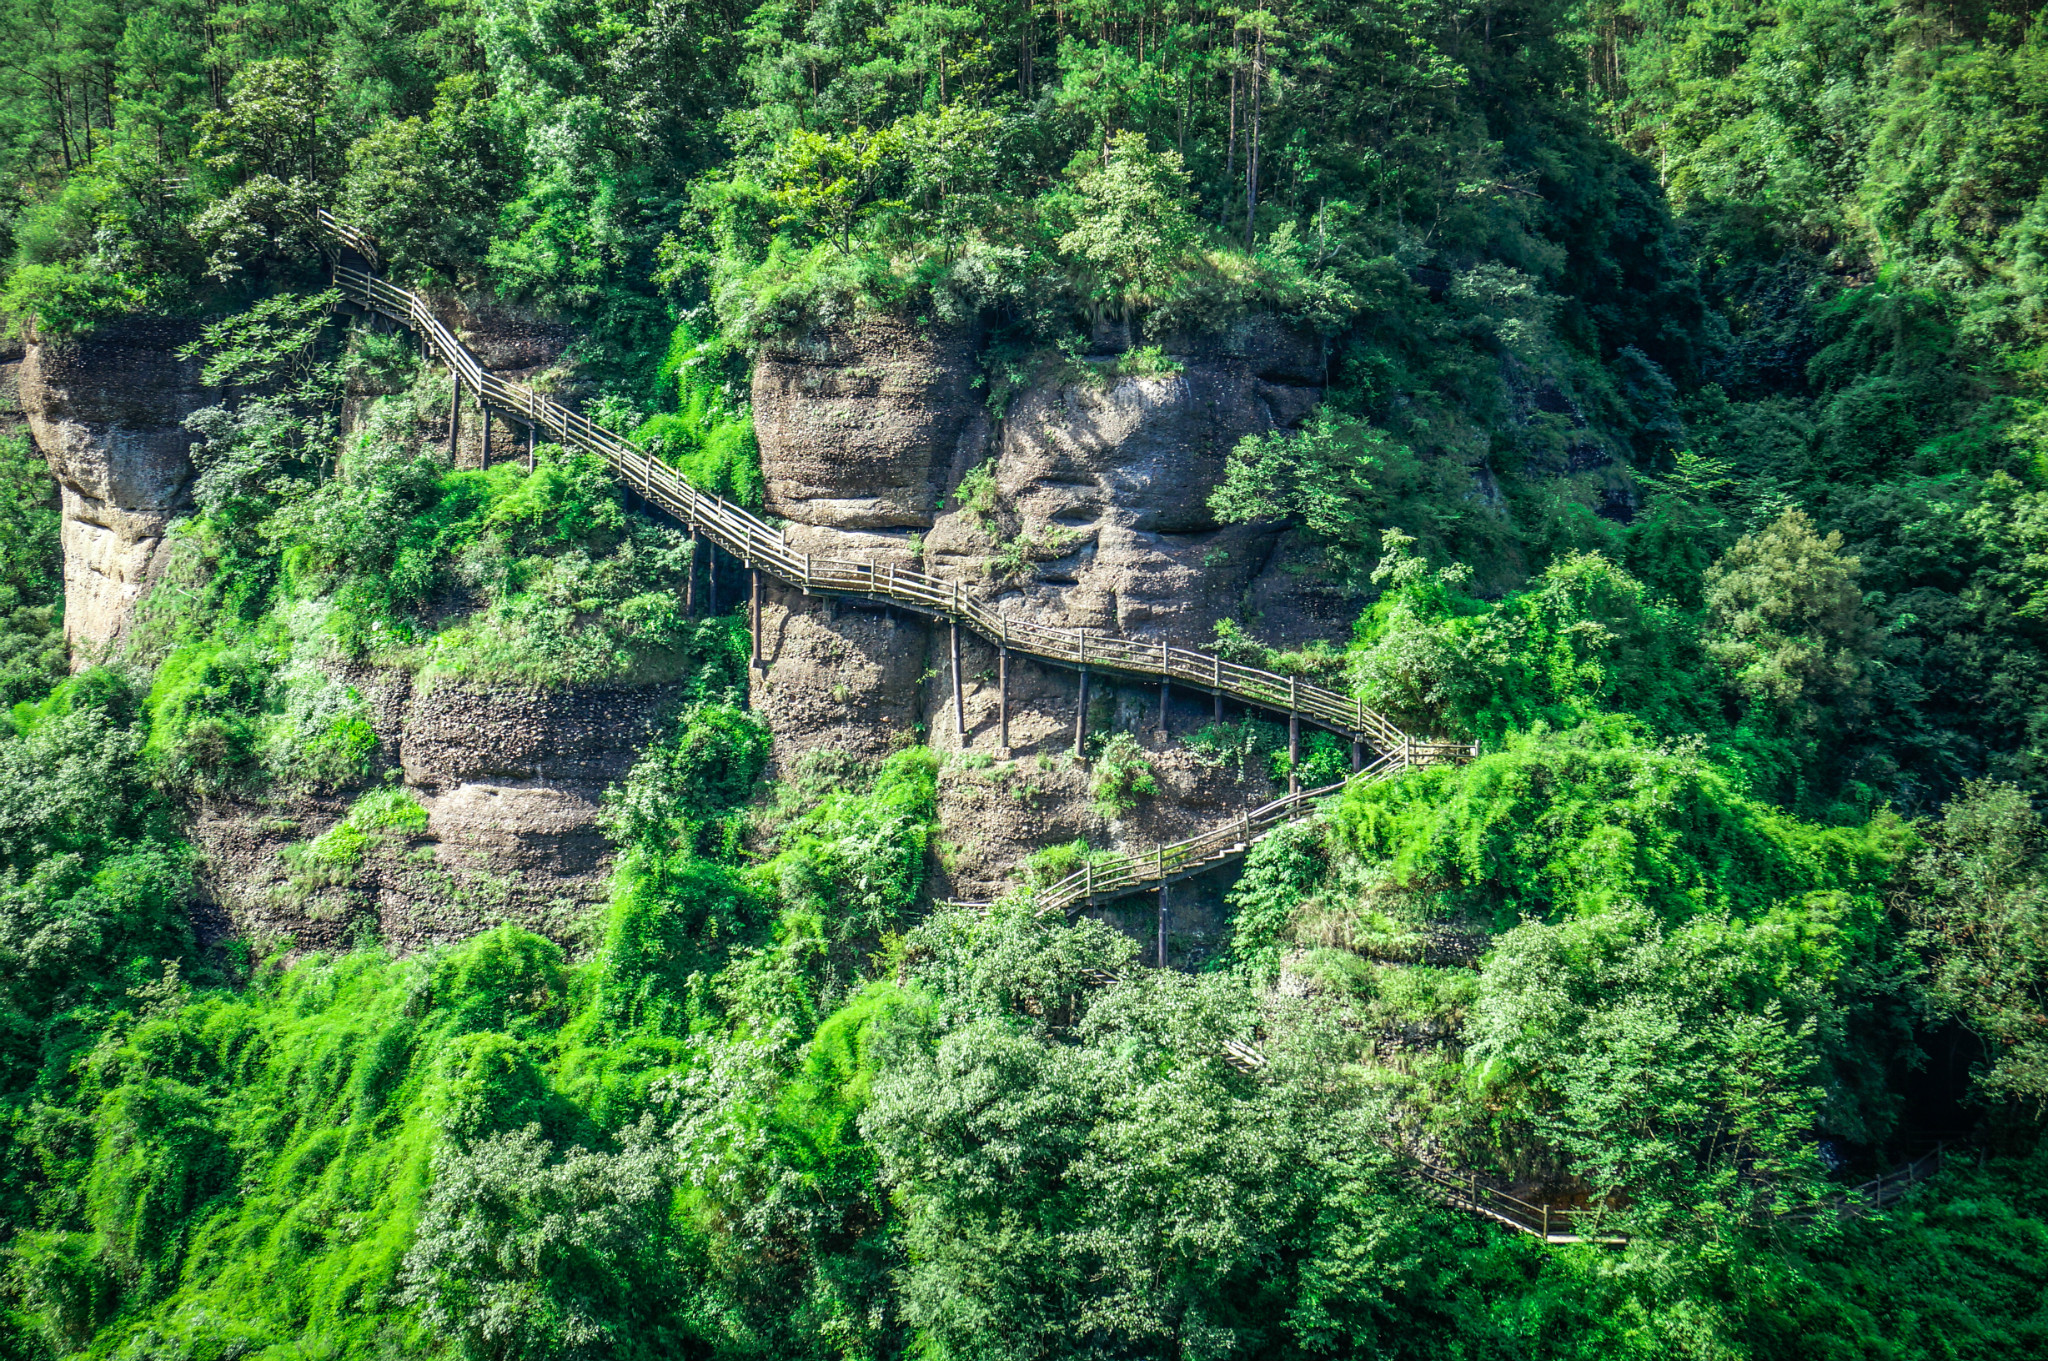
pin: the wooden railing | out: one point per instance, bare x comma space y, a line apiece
762, 546
1123, 874
1574, 1224
1553, 1224
757, 544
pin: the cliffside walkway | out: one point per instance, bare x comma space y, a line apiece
763, 547
1568, 1224
760, 547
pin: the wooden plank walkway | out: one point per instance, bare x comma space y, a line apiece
764, 547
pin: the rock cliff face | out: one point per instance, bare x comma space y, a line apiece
1093, 513
511, 778
107, 410
1099, 519
511, 781
866, 423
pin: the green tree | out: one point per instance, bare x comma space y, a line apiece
1786, 621
829, 183
1980, 901
1135, 231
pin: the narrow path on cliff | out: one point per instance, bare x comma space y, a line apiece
763, 547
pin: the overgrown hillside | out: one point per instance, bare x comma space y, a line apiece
1680, 439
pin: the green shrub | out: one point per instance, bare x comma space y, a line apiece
709, 437
388, 808
1121, 776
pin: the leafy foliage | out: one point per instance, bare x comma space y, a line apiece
1683, 424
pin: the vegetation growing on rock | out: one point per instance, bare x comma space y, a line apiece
1681, 422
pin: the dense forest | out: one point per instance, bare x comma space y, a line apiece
1685, 433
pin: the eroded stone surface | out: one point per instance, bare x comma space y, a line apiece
859, 426
107, 410
512, 781
1101, 520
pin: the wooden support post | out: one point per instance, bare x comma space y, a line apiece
1219, 705
1357, 757
1081, 718
1003, 701
690, 581
711, 581
485, 412
530, 427
959, 701
1165, 684
1162, 920
754, 622
1293, 752
454, 409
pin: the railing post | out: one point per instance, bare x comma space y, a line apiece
1088, 880
1165, 685
1162, 915
1293, 735
454, 406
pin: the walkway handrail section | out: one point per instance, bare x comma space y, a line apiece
1139, 871
758, 544
1553, 1224
1564, 1224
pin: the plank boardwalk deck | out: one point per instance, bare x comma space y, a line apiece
761, 546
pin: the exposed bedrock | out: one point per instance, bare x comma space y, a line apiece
511, 777
1103, 491
1100, 519
860, 425
511, 780
107, 409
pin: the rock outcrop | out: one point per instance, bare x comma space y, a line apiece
1099, 518
107, 410
860, 426
511, 777
511, 781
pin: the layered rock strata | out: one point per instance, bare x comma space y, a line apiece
107, 410
511, 780
1091, 511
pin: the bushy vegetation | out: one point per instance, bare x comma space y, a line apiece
1683, 423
